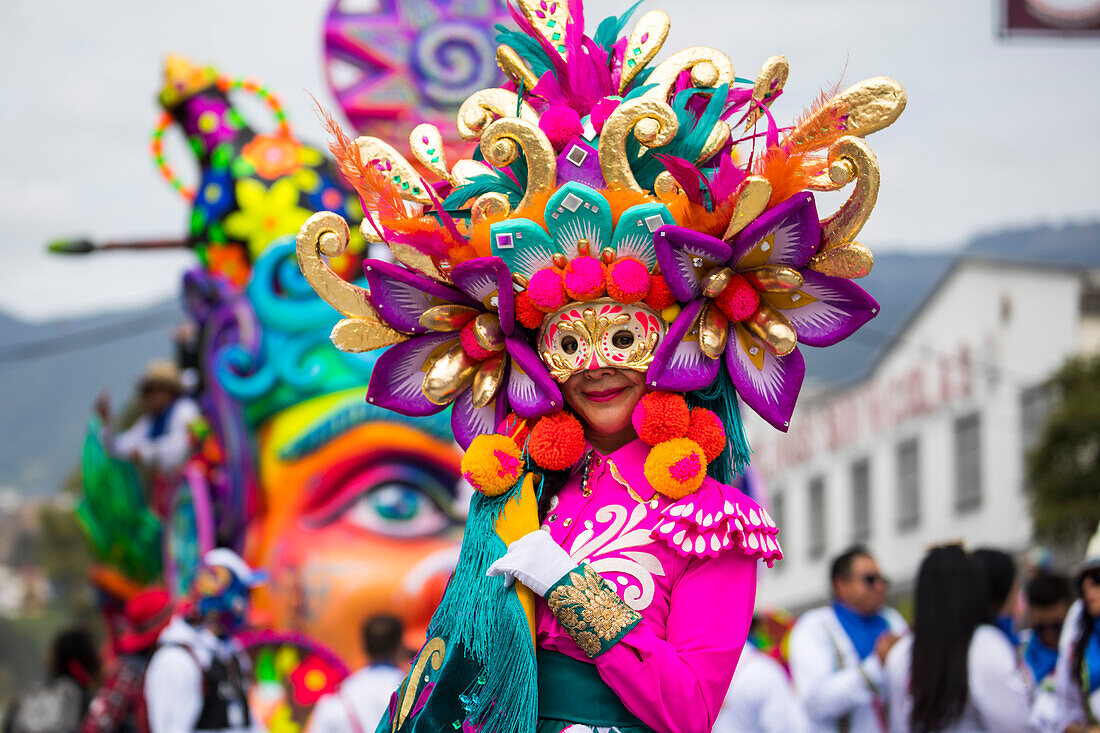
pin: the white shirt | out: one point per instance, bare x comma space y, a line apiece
997, 698
367, 691
173, 682
830, 679
1069, 705
760, 699
166, 452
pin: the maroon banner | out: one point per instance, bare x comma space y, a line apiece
1050, 17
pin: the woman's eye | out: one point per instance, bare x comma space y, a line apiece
569, 345
623, 339
398, 510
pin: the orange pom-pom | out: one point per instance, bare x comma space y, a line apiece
557, 441
660, 297
661, 416
526, 313
706, 430
492, 464
676, 467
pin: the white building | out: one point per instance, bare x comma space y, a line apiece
930, 446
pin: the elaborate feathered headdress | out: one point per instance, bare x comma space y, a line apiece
613, 214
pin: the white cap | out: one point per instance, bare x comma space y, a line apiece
231, 561
1092, 553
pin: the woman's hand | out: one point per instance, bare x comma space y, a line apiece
534, 560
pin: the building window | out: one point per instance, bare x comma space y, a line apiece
861, 501
968, 462
779, 515
908, 483
816, 515
1035, 404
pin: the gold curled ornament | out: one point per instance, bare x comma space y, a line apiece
401, 172
417, 261
774, 279
491, 206
432, 653
448, 374
326, 233
370, 234
665, 187
871, 105
752, 199
653, 123
850, 159
709, 68
501, 143
769, 82
481, 108
850, 259
487, 381
465, 169
646, 40
772, 329
719, 136
549, 18
426, 143
515, 69
714, 331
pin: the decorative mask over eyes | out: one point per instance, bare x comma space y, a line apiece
597, 334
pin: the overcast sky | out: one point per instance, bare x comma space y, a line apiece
996, 134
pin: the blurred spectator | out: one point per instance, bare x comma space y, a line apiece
956, 672
837, 652
119, 704
998, 571
198, 679
159, 439
363, 697
1077, 672
761, 698
57, 705
1049, 596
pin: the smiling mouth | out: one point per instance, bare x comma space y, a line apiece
605, 395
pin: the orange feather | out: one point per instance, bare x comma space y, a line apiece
372, 185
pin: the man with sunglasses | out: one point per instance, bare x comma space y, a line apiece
1049, 596
837, 651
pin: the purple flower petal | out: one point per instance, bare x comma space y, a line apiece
401, 296
468, 422
487, 280
677, 250
679, 365
767, 383
826, 310
397, 382
531, 390
787, 235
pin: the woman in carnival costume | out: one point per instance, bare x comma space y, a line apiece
591, 294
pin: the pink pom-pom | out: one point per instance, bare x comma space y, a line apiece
470, 343
584, 278
627, 280
547, 290
560, 124
739, 300
601, 112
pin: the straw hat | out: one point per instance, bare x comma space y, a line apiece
161, 373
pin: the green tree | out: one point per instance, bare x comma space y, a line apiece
1064, 466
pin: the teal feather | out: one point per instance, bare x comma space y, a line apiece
638, 89
691, 136
528, 49
611, 27
721, 399
486, 183
487, 618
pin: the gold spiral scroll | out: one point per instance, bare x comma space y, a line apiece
326, 233
710, 68
769, 82
481, 108
645, 42
511, 64
862, 108
850, 159
405, 178
653, 123
501, 143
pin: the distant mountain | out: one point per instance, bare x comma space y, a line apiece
50, 373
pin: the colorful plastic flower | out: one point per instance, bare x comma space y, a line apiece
273, 156
229, 260
311, 680
265, 213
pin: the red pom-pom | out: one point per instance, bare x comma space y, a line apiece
584, 278
739, 300
470, 343
627, 280
560, 124
660, 297
526, 313
547, 290
602, 111
661, 416
557, 441
706, 429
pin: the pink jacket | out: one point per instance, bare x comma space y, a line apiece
688, 567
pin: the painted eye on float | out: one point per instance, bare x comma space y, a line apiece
569, 345
623, 339
397, 509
